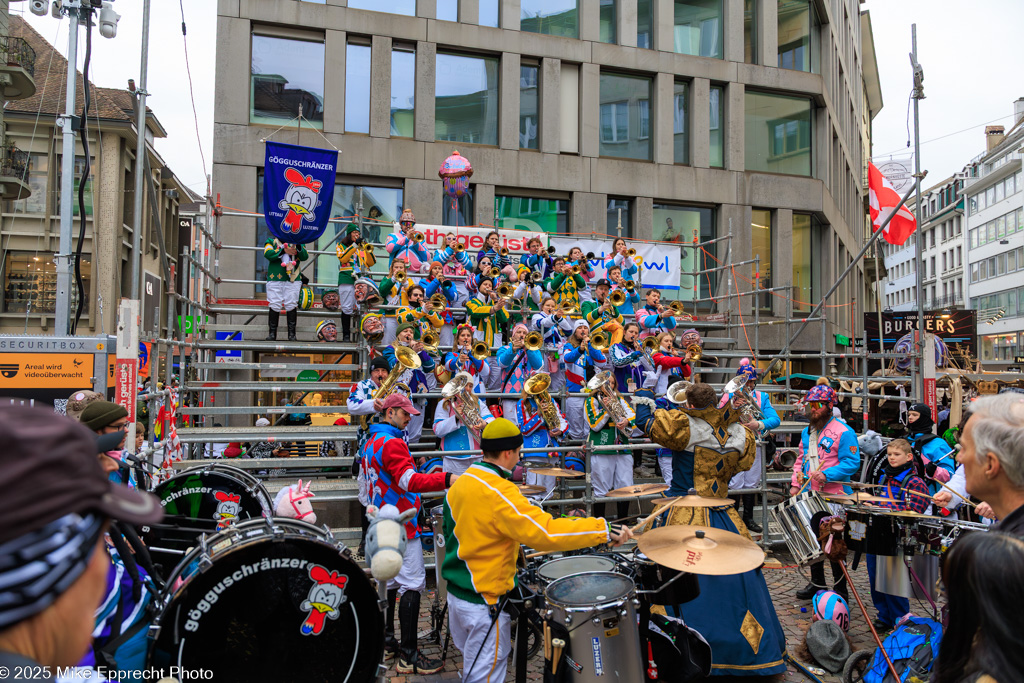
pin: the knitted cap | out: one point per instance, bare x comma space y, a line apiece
351, 228
500, 435
99, 414
405, 326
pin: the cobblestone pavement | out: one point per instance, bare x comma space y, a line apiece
783, 583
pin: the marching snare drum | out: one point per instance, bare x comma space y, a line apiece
884, 535
793, 517
664, 585
599, 612
572, 565
271, 600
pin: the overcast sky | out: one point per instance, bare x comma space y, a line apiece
970, 52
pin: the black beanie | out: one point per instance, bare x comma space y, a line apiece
923, 423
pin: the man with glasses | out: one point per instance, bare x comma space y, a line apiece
104, 417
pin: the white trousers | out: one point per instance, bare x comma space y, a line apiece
347, 294
458, 465
609, 472
413, 575
574, 416
469, 624
750, 479
283, 295
665, 465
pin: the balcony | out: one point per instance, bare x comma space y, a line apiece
13, 173
948, 301
17, 68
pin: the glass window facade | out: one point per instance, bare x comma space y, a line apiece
552, 17
35, 176
529, 111
680, 127
761, 245
614, 205
806, 243
644, 22
798, 35
750, 31
999, 347
532, 213
357, 88
489, 13
698, 28
448, 10
716, 128
30, 283
286, 73
406, 7
607, 32
466, 99
674, 223
403, 93
624, 121
778, 133
79, 170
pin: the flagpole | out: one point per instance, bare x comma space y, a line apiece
821, 304
917, 377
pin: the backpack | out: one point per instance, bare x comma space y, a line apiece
678, 650
913, 647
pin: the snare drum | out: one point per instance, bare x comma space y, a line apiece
793, 517
271, 600
573, 564
884, 534
598, 610
663, 585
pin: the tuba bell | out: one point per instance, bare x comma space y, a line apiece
537, 387
406, 360
676, 392
466, 407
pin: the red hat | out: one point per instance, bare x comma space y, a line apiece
399, 401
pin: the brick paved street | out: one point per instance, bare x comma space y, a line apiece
782, 583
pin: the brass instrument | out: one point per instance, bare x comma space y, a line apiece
504, 291
503, 251
459, 392
480, 350
630, 286
368, 248
631, 252
676, 392
648, 347
494, 272
677, 307
534, 341
591, 256
604, 383
430, 341
576, 270
438, 300
418, 237
536, 276
695, 352
600, 341
537, 387
617, 297
407, 360
552, 250
737, 386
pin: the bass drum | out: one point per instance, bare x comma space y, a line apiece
271, 600
202, 500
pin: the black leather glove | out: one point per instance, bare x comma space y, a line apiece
929, 470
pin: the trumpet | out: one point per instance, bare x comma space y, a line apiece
591, 256
418, 237
430, 341
536, 276
504, 291
617, 297
503, 251
630, 286
437, 301
534, 341
631, 252
600, 341
576, 270
480, 350
494, 272
459, 247
551, 251
368, 248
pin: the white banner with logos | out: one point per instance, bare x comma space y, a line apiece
514, 240
660, 266
899, 170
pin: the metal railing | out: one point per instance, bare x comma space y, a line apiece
13, 162
17, 52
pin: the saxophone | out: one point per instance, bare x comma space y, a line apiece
537, 387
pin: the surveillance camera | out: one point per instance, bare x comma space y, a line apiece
55, 9
40, 8
108, 21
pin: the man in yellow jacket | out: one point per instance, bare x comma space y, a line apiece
486, 518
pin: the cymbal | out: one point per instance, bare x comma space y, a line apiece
637, 490
854, 498
862, 485
908, 513
556, 472
530, 489
700, 550
692, 501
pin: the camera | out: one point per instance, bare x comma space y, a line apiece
40, 8
108, 21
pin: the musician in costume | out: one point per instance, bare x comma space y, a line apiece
435, 283
554, 326
283, 284
486, 519
527, 291
516, 363
654, 317
629, 361
535, 259
581, 363
455, 434
609, 469
751, 479
394, 289
668, 360
361, 403
709, 446
542, 423
939, 460
421, 313
828, 458
402, 246
353, 260
564, 286
602, 315
629, 266
577, 258
487, 313
628, 288
413, 381
391, 479
461, 358
492, 251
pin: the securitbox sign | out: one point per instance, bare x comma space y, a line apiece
45, 370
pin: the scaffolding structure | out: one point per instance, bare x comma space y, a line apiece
728, 311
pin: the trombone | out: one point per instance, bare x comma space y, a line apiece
648, 347
437, 300
504, 291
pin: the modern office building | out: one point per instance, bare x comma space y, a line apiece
747, 117
995, 234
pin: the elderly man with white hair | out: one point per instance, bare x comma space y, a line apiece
992, 455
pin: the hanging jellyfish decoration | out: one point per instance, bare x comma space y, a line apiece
905, 344
455, 173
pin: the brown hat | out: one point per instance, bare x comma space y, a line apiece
49, 468
100, 414
78, 401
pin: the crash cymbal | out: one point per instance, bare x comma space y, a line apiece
556, 472
693, 501
700, 550
637, 490
907, 513
854, 498
530, 489
862, 485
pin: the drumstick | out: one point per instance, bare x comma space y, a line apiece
547, 641
556, 655
957, 494
530, 556
639, 525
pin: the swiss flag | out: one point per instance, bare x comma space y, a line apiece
883, 198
